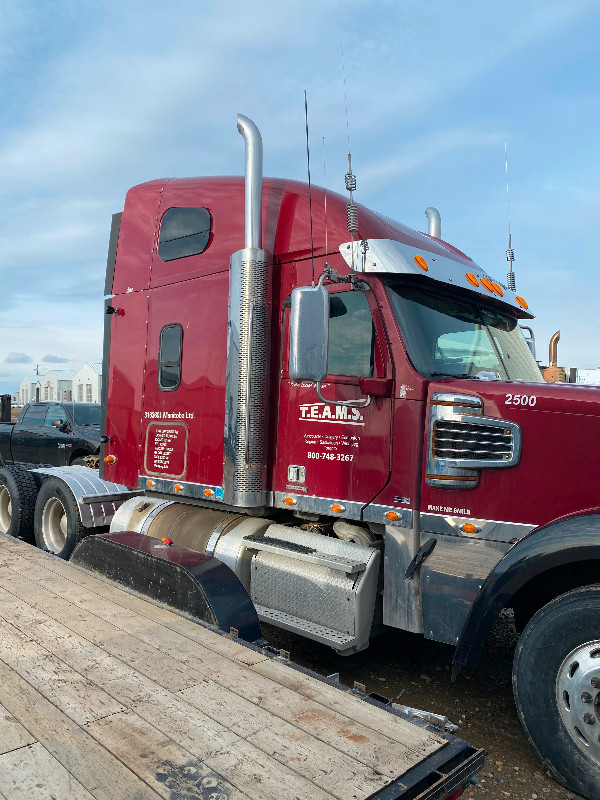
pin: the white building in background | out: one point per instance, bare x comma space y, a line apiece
87, 383
589, 376
30, 389
57, 384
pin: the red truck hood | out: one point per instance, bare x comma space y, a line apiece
501, 397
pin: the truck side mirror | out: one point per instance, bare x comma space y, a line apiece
309, 333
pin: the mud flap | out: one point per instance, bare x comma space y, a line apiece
199, 585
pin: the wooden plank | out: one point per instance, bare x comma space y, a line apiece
339, 730
402, 731
46, 570
104, 776
79, 698
143, 657
12, 734
364, 744
31, 773
329, 768
166, 767
206, 739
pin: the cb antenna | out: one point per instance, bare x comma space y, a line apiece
351, 208
312, 249
510, 253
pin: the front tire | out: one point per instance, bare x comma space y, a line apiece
556, 682
18, 491
57, 523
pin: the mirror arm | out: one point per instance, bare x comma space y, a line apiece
348, 403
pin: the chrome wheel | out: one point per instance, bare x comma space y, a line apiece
54, 525
578, 697
5, 509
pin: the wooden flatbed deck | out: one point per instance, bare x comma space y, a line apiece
105, 695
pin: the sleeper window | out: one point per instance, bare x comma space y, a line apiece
169, 357
183, 232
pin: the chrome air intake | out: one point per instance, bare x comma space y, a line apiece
248, 334
462, 442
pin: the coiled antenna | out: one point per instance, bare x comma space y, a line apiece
510, 253
350, 178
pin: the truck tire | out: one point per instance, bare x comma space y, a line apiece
556, 682
56, 521
18, 491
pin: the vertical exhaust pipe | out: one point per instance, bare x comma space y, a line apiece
435, 222
253, 184
553, 350
248, 345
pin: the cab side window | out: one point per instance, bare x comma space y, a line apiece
183, 232
55, 413
351, 335
169, 357
35, 415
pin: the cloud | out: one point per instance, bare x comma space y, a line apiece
18, 358
50, 359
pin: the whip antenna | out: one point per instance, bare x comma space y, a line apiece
312, 249
325, 196
510, 253
351, 207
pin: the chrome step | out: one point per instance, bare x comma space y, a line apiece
339, 641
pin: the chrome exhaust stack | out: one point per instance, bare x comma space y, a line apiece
435, 222
248, 345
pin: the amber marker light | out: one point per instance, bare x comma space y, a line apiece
178, 487
497, 289
208, 492
392, 516
337, 508
488, 285
166, 540
522, 303
472, 279
420, 262
469, 528
110, 459
289, 501
149, 484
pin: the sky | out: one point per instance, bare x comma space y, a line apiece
98, 97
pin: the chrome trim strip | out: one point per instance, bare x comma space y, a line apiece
376, 513
489, 529
166, 486
319, 505
153, 513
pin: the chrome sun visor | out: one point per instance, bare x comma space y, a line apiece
387, 256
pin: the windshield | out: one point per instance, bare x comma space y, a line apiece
86, 413
447, 337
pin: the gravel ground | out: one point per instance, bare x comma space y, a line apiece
480, 702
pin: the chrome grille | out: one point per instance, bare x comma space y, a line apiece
470, 440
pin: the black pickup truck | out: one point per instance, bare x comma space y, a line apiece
51, 433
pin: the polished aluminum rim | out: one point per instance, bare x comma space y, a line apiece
578, 697
5, 509
54, 525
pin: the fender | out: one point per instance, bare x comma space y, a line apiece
566, 541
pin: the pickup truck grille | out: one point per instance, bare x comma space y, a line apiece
456, 440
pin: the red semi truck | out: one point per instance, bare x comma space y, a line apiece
347, 415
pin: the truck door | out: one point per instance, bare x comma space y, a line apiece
54, 445
25, 440
337, 455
